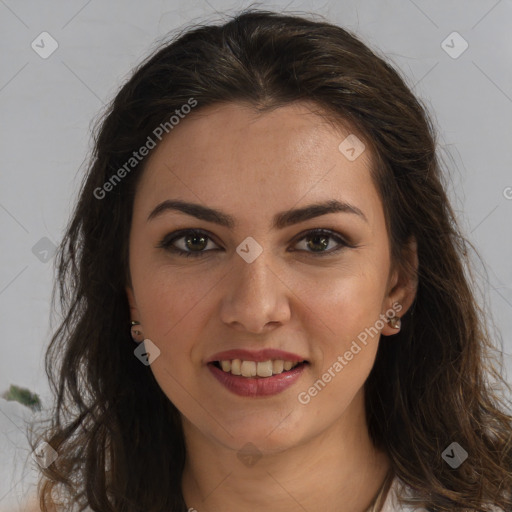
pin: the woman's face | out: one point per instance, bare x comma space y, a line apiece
256, 278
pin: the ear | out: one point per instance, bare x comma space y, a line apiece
403, 285
134, 312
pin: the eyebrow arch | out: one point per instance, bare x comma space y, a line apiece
281, 219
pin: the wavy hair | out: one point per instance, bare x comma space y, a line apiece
117, 435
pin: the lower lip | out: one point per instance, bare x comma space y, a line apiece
263, 386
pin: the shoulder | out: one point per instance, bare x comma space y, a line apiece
399, 488
392, 503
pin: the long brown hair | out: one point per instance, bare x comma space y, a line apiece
119, 439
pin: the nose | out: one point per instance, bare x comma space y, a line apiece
256, 299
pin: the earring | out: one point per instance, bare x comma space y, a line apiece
395, 322
137, 335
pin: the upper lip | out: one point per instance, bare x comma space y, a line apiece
255, 355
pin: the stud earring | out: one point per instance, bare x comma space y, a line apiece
137, 335
395, 322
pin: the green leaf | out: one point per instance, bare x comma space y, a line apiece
23, 396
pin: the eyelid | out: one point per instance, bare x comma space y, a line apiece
168, 239
344, 240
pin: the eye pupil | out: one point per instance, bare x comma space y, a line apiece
323, 244
195, 236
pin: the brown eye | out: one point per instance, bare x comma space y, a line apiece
318, 241
194, 243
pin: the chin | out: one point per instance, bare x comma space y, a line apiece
271, 435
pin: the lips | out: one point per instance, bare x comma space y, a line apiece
256, 373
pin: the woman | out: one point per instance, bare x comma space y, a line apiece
265, 215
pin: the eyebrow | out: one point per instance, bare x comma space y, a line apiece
281, 219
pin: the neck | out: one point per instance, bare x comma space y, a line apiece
336, 471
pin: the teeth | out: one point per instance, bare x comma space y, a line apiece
264, 369
253, 368
235, 367
248, 369
277, 366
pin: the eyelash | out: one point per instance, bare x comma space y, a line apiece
168, 240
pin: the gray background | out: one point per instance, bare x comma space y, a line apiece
47, 107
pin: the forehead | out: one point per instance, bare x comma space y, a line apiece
293, 130
222, 153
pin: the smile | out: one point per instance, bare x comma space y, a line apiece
256, 368
257, 379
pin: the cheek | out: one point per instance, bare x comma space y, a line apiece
345, 323
170, 301
348, 302
175, 318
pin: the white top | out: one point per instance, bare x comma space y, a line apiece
392, 504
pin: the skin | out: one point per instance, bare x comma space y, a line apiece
252, 166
